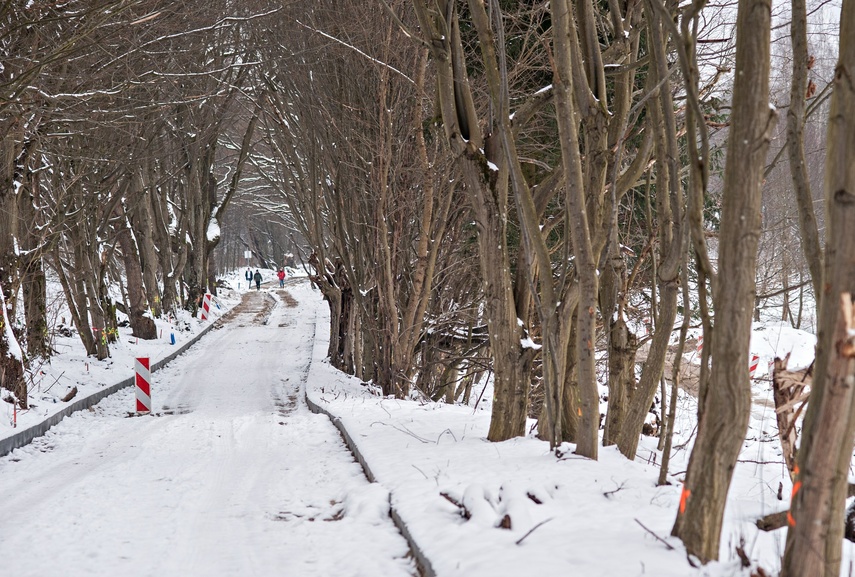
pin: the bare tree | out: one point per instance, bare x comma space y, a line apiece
726, 402
814, 538
670, 209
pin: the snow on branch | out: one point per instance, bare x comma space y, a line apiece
210, 28
358, 51
203, 73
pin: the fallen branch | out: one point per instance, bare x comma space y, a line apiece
444, 432
530, 531
774, 521
607, 493
658, 538
71, 394
55, 381
401, 429
420, 471
464, 512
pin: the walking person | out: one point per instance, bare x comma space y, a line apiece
257, 278
248, 277
281, 275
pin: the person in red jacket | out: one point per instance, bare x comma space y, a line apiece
281, 275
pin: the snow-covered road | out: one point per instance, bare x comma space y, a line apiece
234, 477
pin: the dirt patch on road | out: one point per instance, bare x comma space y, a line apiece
285, 406
259, 303
286, 297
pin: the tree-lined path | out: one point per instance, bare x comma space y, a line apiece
235, 477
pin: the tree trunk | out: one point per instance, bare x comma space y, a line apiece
578, 220
570, 415
785, 280
651, 372
217, 211
75, 297
669, 209
34, 288
142, 225
357, 344
511, 363
148, 256
33, 281
92, 280
489, 197
432, 223
339, 299
676, 376
537, 266
796, 145
169, 247
814, 539
623, 346
143, 326
722, 425
391, 371
11, 356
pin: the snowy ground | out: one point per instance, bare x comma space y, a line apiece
567, 515
236, 477
70, 368
239, 478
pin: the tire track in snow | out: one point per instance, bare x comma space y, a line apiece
220, 489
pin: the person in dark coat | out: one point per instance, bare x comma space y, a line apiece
248, 277
257, 278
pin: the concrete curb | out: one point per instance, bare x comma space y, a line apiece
26, 436
423, 564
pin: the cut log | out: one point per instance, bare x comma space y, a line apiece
777, 520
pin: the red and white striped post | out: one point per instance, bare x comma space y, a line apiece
143, 380
752, 366
206, 306
700, 343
